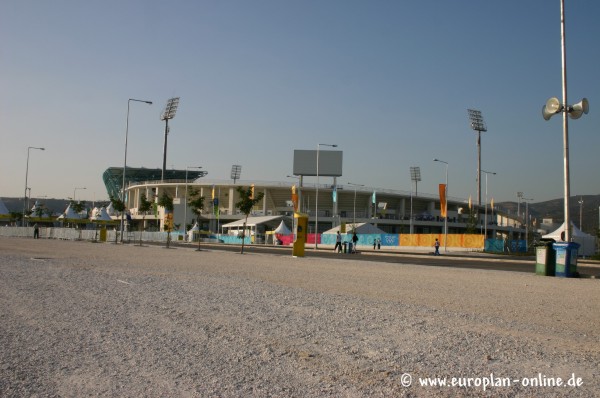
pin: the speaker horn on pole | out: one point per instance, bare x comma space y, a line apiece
579, 109
551, 108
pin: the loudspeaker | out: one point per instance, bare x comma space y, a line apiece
579, 109
551, 108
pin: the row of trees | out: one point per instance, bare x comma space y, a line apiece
196, 204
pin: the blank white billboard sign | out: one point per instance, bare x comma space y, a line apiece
305, 163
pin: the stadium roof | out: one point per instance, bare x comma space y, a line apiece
113, 177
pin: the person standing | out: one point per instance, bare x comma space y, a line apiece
354, 241
36, 231
338, 243
437, 247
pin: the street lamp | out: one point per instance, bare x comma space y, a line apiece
527, 200
317, 195
354, 216
445, 206
552, 107
185, 206
580, 213
519, 197
486, 202
125, 162
75, 190
25, 204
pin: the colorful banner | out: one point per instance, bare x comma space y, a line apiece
443, 200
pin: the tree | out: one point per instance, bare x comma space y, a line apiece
196, 203
119, 207
167, 202
144, 207
247, 201
15, 216
471, 223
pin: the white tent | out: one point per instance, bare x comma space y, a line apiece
587, 242
111, 210
3, 210
100, 214
282, 229
69, 214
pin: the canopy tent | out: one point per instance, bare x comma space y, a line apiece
282, 229
361, 228
100, 214
587, 242
3, 210
110, 210
256, 227
69, 214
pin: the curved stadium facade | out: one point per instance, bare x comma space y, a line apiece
395, 212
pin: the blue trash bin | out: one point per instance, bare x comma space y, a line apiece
566, 259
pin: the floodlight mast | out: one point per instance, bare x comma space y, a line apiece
168, 113
415, 175
477, 124
236, 172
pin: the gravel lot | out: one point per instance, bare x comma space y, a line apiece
84, 319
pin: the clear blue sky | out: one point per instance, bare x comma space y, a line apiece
388, 81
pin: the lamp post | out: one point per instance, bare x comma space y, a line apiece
486, 202
527, 222
445, 206
354, 214
125, 162
75, 190
185, 206
519, 197
580, 213
317, 195
554, 106
25, 204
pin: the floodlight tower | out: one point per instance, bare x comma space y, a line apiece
168, 113
415, 176
552, 107
236, 172
477, 124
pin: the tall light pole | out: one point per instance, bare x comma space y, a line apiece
477, 124
580, 213
354, 216
168, 113
75, 190
519, 197
26, 176
125, 162
486, 201
317, 195
527, 200
445, 206
554, 106
415, 176
185, 206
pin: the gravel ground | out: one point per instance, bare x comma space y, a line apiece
84, 319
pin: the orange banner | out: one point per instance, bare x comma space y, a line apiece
443, 200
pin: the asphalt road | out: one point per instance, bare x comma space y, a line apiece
586, 269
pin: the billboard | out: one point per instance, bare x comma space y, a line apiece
305, 163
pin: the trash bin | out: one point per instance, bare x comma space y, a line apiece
345, 246
545, 258
566, 259
349, 247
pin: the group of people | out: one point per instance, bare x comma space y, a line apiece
338, 243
